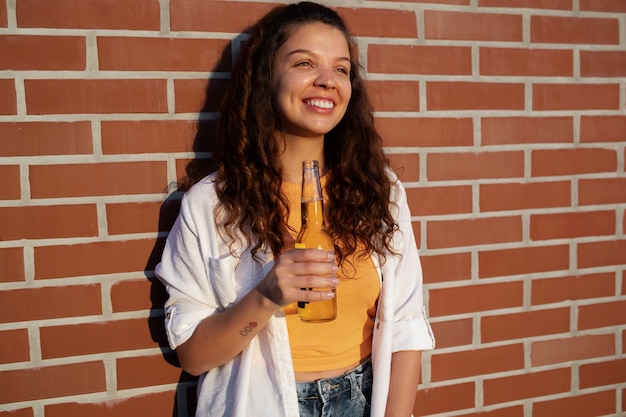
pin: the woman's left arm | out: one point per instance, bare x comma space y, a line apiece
405, 376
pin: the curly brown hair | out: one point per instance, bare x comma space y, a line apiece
246, 150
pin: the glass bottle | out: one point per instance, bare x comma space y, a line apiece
313, 234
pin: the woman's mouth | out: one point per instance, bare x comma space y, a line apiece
322, 104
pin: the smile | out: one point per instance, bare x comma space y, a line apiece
322, 104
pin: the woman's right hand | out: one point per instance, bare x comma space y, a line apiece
294, 271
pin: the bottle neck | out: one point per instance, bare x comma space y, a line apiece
312, 202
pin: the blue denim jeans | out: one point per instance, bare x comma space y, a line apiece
347, 395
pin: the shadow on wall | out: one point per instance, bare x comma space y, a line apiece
185, 400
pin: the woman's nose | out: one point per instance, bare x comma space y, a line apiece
325, 78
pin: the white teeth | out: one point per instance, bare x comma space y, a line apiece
323, 104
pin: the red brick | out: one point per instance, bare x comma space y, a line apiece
602, 373
147, 136
445, 398
574, 30
577, 287
8, 98
405, 165
585, 405
126, 218
389, 95
97, 179
575, 96
380, 22
163, 54
594, 254
523, 130
514, 411
195, 95
527, 324
29, 304
602, 191
528, 4
96, 96
10, 182
592, 316
457, 166
526, 260
419, 59
214, 16
24, 52
45, 138
448, 267
444, 95
526, 62
42, 222
453, 332
137, 295
89, 14
12, 261
551, 162
472, 26
52, 381
154, 404
92, 338
146, 371
520, 196
477, 362
603, 129
4, 23
439, 200
473, 298
617, 6
183, 164
22, 412
603, 64
426, 131
458, 2
572, 225
16, 347
548, 352
475, 231
92, 258
527, 385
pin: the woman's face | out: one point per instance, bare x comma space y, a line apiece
312, 80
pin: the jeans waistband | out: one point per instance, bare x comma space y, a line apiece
327, 388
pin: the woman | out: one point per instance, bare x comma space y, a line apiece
230, 267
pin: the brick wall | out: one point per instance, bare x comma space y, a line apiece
506, 120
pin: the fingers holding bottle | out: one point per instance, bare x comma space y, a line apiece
297, 270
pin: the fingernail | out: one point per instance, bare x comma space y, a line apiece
330, 294
335, 268
335, 281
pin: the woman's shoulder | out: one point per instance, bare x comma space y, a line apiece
203, 192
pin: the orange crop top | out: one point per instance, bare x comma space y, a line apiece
347, 339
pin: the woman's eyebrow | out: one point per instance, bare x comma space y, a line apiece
309, 52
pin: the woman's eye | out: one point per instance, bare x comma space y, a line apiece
343, 70
304, 64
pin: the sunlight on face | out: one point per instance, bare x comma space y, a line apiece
312, 80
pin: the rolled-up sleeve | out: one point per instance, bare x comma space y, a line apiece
183, 270
411, 328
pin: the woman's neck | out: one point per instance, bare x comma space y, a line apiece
298, 150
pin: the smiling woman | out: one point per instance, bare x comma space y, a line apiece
230, 266
311, 81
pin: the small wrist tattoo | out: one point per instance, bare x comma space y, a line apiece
246, 330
